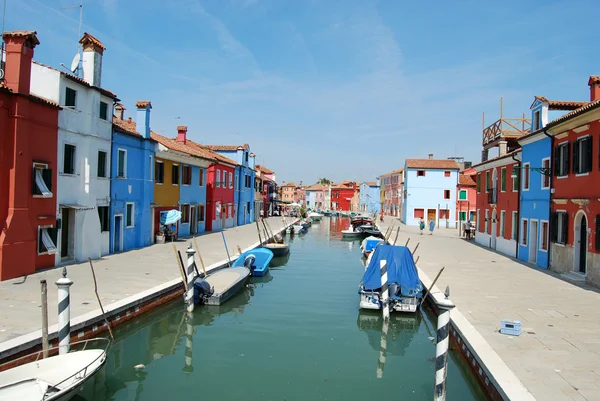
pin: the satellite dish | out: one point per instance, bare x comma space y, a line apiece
75, 63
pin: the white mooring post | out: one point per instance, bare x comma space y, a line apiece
64, 313
189, 295
384, 290
441, 348
382, 348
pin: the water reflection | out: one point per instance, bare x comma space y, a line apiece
280, 261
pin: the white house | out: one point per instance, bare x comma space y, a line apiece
84, 153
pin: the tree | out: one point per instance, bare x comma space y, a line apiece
324, 181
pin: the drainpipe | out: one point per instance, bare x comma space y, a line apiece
520, 163
545, 131
239, 191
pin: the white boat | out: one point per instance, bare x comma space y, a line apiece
369, 244
314, 216
55, 378
351, 232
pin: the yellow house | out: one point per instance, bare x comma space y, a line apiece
166, 187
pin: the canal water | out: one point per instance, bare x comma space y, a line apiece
296, 334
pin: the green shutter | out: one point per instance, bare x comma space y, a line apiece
479, 182
503, 184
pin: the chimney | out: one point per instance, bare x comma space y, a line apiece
182, 134
594, 84
430, 156
143, 117
92, 59
240, 156
252, 161
119, 111
19, 53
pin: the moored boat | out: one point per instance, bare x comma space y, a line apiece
278, 249
314, 216
352, 232
257, 260
369, 244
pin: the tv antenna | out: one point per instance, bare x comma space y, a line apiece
2, 53
76, 63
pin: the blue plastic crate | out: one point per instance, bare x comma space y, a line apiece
510, 327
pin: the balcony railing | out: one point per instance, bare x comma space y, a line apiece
492, 196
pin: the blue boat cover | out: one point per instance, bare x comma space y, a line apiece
401, 269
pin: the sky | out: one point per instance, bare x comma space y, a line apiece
328, 88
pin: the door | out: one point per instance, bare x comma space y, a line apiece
430, 216
117, 240
245, 219
583, 245
193, 220
494, 233
64, 233
533, 241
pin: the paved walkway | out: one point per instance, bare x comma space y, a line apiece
557, 356
119, 276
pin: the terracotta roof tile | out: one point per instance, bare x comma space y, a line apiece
440, 164
227, 147
590, 106
594, 79
31, 35
142, 104
46, 102
371, 183
561, 104
209, 153
289, 184
392, 172
466, 180
264, 169
506, 155
89, 39
120, 106
126, 126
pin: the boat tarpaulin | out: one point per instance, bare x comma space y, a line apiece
401, 269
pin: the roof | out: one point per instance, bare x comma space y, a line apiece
289, 184
31, 35
227, 148
207, 153
506, 155
31, 97
371, 183
594, 79
142, 104
89, 39
80, 81
441, 164
588, 107
561, 104
126, 126
392, 172
264, 169
466, 180
342, 185
315, 187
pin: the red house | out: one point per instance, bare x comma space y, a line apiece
575, 190
28, 153
342, 194
497, 216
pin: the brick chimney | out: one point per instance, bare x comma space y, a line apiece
19, 53
120, 111
431, 156
182, 134
92, 59
594, 84
143, 117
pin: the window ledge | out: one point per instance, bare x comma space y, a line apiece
582, 174
67, 175
102, 178
129, 226
42, 196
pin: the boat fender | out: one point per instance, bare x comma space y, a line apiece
249, 261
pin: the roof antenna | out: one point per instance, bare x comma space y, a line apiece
2, 53
76, 63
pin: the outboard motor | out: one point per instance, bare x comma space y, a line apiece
278, 239
249, 262
394, 289
202, 292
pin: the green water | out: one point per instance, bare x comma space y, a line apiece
296, 334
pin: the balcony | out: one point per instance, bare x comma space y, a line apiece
492, 196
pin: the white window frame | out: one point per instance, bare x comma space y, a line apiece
561, 148
579, 143
514, 226
516, 172
151, 168
163, 171
179, 175
524, 240
449, 194
189, 212
183, 166
218, 178
41, 166
230, 180
502, 222
527, 171
487, 218
40, 228
132, 214
505, 170
544, 176
119, 150
541, 233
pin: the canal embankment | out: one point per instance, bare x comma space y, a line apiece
556, 355
129, 284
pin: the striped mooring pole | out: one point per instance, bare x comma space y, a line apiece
441, 349
189, 338
382, 348
191, 277
64, 313
384, 290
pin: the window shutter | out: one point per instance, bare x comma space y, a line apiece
598, 232
566, 154
47, 176
34, 188
554, 227
576, 157
557, 161
588, 154
503, 180
565, 227
41, 247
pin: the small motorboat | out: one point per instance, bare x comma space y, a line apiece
404, 287
352, 232
369, 244
57, 377
374, 231
257, 260
277, 248
314, 216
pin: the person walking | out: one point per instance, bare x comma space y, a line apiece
431, 226
421, 225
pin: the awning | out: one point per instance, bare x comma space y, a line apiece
77, 207
47, 241
39, 182
280, 201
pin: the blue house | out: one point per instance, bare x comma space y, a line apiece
369, 197
430, 191
244, 201
132, 181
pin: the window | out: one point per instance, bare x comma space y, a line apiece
104, 215
159, 172
478, 182
217, 210
559, 227
246, 153
218, 179
582, 155
230, 180
502, 222
200, 212
42, 181
597, 233
488, 181
419, 213
122, 163
47, 240
446, 174
515, 178
537, 122
175, 174
224, 179
462, 216
487, 218
546, 173
185, 214
420, 173
526, 176
69, 159
201, 179
561, 160
129, 210
524, 232
503, 179
70, 97
103, 110
248, 207
514, 226
186, 175
237, 177
446, 194
544, 236
444, 214
101, 164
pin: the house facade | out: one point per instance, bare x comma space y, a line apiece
220, 195
84, 142
466, 196
132, 180
369, 197
28, 165
575, 193
288, 192
342, 194
430, 191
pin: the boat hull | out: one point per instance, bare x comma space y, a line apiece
278, 249
370, 300
352, 234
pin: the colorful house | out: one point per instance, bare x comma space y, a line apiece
369, 197
28, 165
288, 192
430, 191
575, 193
466, 195
84, 150
342, 194
132, 181
220, 195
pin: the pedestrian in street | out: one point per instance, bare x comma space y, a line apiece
421, 225
381, 218
431, 226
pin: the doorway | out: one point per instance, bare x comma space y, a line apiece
494, 233
580, 246
430, 216
193, 220
533, 240
118, 237
65, 233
